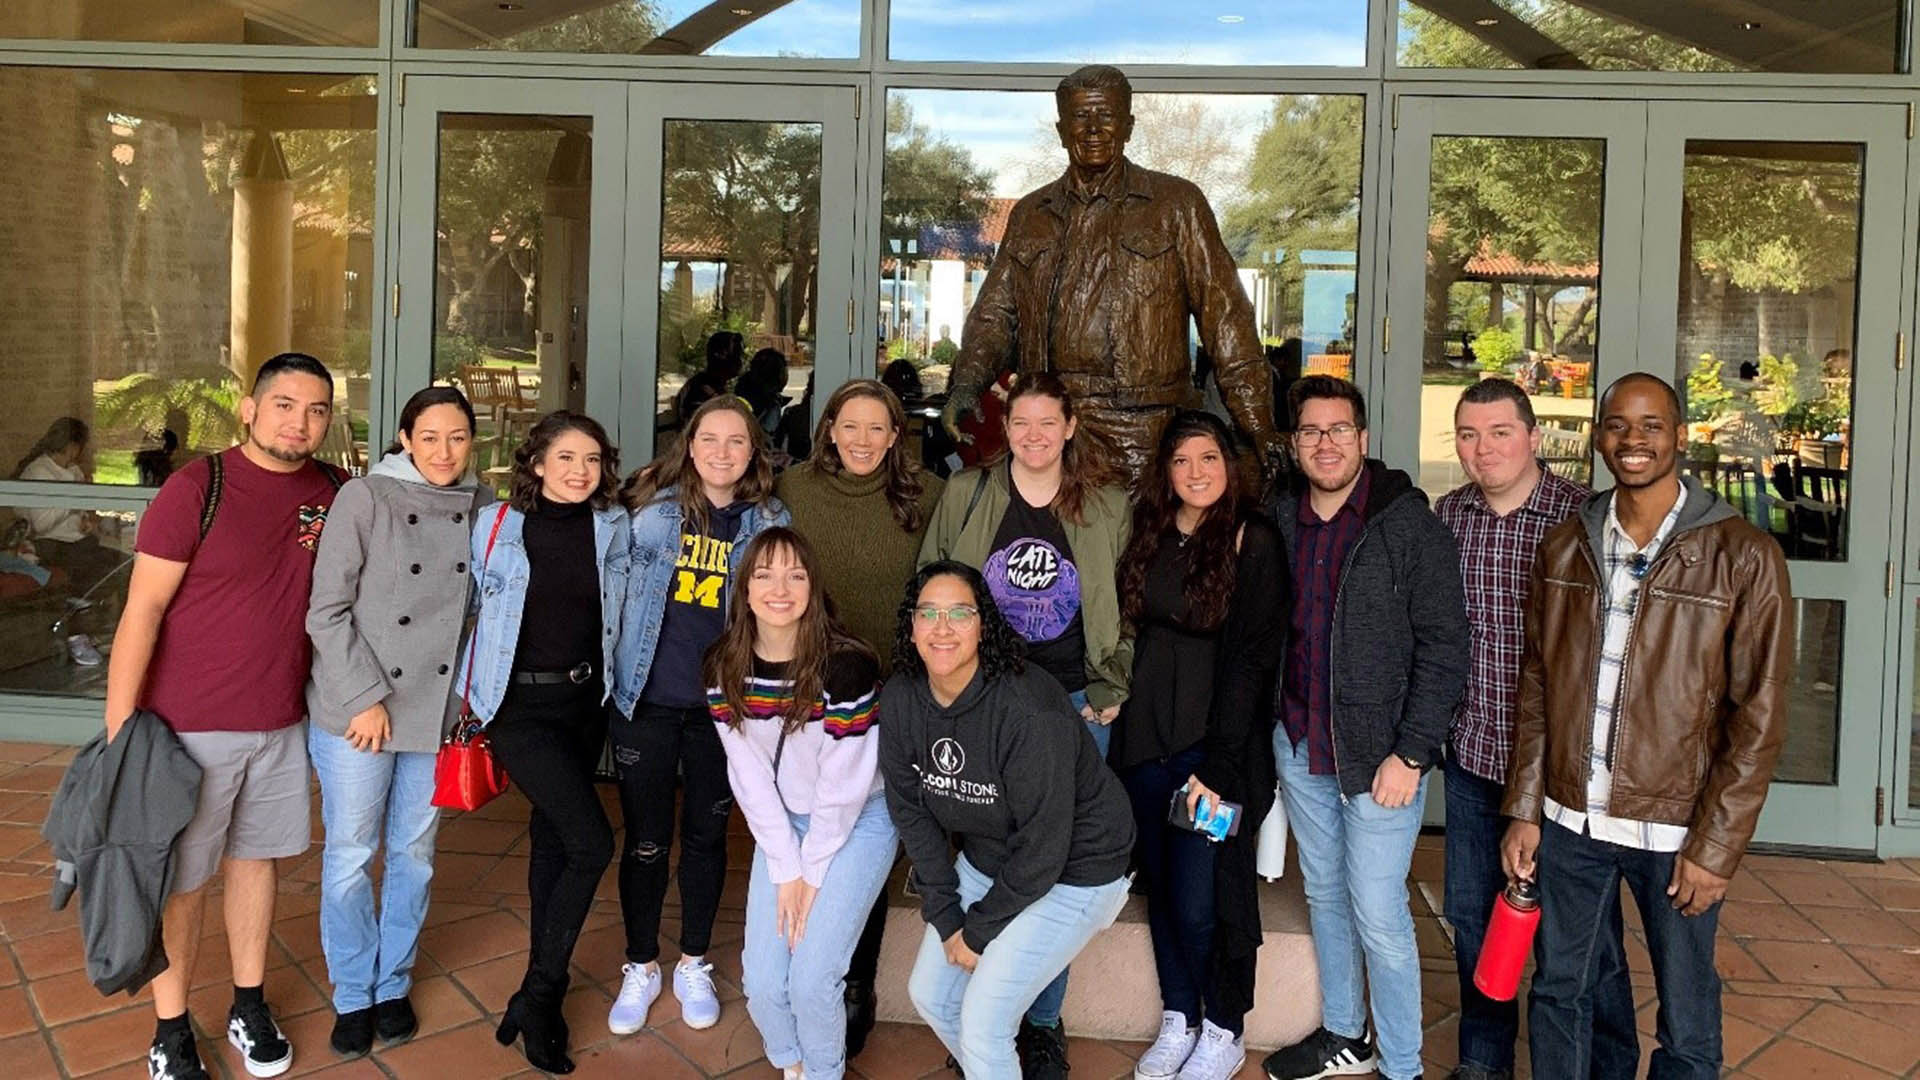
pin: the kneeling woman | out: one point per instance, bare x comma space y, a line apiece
985, 752
795, 697
1204, 581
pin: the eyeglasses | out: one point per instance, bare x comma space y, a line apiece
1341, 434
959, 616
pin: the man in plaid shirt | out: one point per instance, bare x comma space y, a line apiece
1498, 518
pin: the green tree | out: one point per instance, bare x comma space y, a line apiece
928, 181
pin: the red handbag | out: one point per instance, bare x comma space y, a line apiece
465, 774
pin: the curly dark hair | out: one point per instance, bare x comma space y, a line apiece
1210, 577
1002, 650
525, 485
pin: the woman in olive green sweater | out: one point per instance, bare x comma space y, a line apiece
863, 502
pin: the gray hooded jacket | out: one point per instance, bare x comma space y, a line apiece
111, 825
389, 600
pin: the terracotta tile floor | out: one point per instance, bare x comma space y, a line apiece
1821, 961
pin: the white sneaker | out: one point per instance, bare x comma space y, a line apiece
1218, 1056
793, 1072
83, 651
693, 985
639, 986
1170, 1049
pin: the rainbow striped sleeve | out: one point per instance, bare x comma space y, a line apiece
763, 698
854, 717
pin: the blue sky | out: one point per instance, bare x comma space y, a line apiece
1142, 31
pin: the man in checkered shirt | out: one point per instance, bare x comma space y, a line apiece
1653, 705
1498, 517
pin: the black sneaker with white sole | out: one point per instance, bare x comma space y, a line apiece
175, 1057
1322, 1054
251, 1030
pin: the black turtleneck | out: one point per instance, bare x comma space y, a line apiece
560, 623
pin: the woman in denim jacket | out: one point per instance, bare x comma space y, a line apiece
695, 508
538, 663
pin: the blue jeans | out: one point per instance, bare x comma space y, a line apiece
978, 1015
1488, 1028
370, 960
1177, 869
1354, 857
1045, 1010
797, 996
1580, 1019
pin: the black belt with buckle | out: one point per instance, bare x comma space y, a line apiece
576, 675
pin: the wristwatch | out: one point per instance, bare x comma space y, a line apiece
1411, 762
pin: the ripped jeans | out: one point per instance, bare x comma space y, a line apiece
655, 752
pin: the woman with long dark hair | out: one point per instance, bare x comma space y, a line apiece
983, 751
1045, 527
1204, 585
865, 504
551, 565
795, 699
692, 513
385, 625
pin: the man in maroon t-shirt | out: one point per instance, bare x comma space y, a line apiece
213, 640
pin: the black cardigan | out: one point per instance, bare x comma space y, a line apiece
1240, 733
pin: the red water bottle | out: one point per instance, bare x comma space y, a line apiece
1516, 915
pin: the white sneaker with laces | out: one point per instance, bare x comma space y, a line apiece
1218, 1056
639, 985
1170, 1049
693, 985
83, 651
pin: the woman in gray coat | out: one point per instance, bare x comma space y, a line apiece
390, 585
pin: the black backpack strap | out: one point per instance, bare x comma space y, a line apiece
216, 481
335, 475
973, 500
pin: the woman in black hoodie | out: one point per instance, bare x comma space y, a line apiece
1203, 584
984, 753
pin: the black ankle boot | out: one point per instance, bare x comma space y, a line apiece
541, 1031
860, 1012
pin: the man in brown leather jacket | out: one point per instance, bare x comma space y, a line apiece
1652, 708
1095, 280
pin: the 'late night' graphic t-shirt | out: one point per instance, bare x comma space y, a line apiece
1032, 576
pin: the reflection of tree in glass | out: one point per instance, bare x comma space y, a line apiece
1538, 200
930, 183
1765, 220
492, 184
749, 193
623, 26
1590, 40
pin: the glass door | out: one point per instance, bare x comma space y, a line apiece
1771, 296
1509, 221
507, 289
740, 249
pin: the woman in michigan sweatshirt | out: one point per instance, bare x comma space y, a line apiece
983, 752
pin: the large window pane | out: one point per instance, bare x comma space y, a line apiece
216, 22
1513, 290
513, 221
166, 233
1769, 271
1312, 32
1848, 36
63, 581
739, 256
800, 28
1282, 173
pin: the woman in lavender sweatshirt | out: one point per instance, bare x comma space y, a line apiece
796, 698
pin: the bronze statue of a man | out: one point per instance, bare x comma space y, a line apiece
1095, 280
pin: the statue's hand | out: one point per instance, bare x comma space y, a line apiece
950, 419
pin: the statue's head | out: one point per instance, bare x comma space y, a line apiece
1096, 115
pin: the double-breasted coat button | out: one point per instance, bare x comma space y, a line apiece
457, 516
395, 673
405, 619
459, 568
415, 568
443, 669
413, 519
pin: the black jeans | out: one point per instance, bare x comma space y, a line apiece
1488, 1028
549, 738
1580, 1020
654, 751
1177, 868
